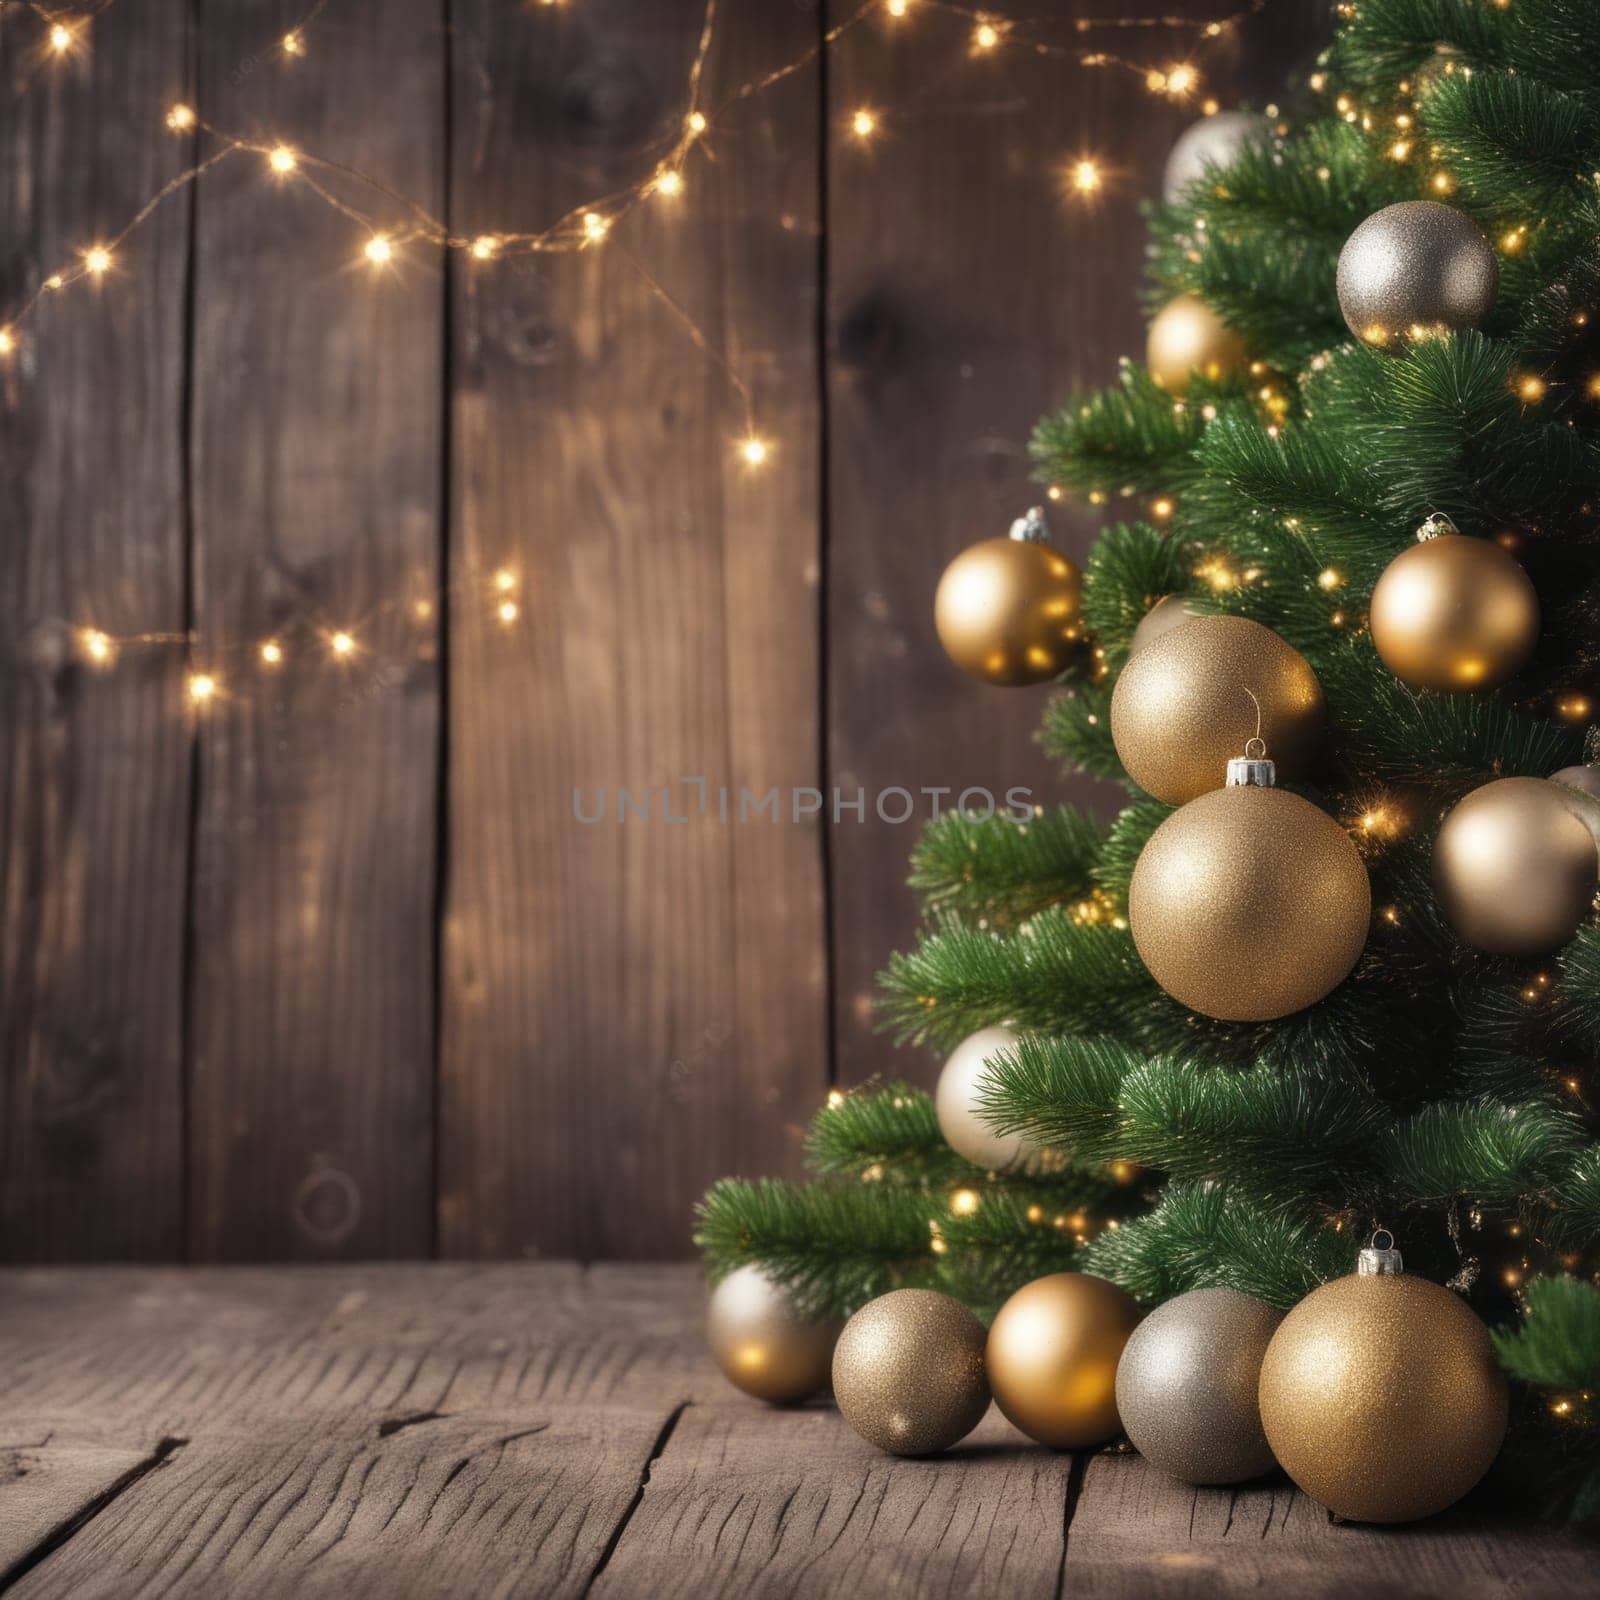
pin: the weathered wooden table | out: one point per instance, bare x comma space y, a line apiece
548, 1430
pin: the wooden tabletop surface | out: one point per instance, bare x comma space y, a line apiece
550, 1430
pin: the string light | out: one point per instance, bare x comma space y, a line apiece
595, 226
96, 645
863, 124
293, 44
272, 652
964, 1202
1531, 389
379, 249
97, 260
202, 688
753, 450
181, 118
897, 8
1181, 79
505, 580
1086, 176
1328, 578
62, 38
696, 122
507, 611
1574, 707
281, 158
485, 247
8, 341
985, 36
670, 183
342, 644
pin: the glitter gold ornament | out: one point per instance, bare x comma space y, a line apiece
1454, 613
908, 1372
1413, 271
1380, 1395
1187, 1386
1212, 142
762, 1344
1515, 865
1187, 338
1007, 610
955, 1101
1183, 705
1053, 1352
1162, 617
1249, 903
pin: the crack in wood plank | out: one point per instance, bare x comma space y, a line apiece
1076, 1473
617, 1532
80, 1519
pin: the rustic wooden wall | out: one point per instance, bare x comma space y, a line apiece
329, 968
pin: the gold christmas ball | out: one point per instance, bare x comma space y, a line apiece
762, 1344
1181, 707
1248, 904
1454, 613
1188, 337
955, 1102
1381, 1398
1162, 617
1515, 865
1007, 611
1053, 1353
1413, 271
908, 1372
1187, 1386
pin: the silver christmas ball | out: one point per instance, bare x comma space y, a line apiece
1211, 142
1415, 270
955, 1102
762, 1344
1187, 1384
1585, 778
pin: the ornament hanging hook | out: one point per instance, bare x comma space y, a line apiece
1031, 527
1380, 1260
1253, 770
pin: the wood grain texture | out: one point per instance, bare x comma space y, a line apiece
317, 439
967, 296
630, 1008
441, 1430
94, 765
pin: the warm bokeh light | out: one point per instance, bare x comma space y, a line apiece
670, 183
485, 247
272, 652
595, 226
380, 249
342, 644
507, 611
863, 124
202, 687
97, 260
985, 36
281, 158
1086, 176
96, 645
181, 118
753, 451
1531, 389
61, 38
293, 44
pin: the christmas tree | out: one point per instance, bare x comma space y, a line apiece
1165, 1108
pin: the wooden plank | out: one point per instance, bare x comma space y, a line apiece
967, 297
94, 765
317, 508
1137, 1533
747, 1500
630, 1010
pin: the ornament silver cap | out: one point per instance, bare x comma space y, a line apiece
1252, 770
1030, 527
1435, 526
1380, 1260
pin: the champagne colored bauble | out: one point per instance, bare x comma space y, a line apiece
1454, 613
1182, 705
1585, 778
1416, 270
1053, 1352
1214, 141
1007, 610
908, 1372
1188, 1382
1188, 337
1162, 617
1380, 1395
1249, 904
762, 1344
1515, 865
955, 1101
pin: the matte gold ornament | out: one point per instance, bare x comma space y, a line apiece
1188, 1382
1413, 271
1183, 705
955, 1102
908, 1372
1007, 610
1162, 617
1454, 613
1380, 1395
1212, 142
1187, 338
762, 1344
1515, 865
1249, 903
1053, 1352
